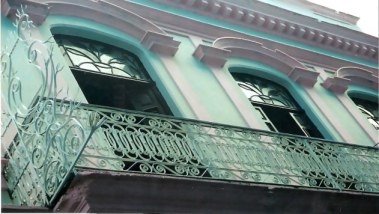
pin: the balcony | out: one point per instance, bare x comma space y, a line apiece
60, 138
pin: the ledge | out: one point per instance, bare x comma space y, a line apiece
304, 76
24, 209
160, 43
336, 84
211, 56
99, 191
351, 75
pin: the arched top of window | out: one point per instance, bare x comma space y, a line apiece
277, 108
264, 91
110, 76
247, 49
95, 56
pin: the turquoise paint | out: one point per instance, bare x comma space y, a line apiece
208, 91
216, 22
6, 26
27, 73
362, 92
265, 71
5, 198
346, 120
96, 31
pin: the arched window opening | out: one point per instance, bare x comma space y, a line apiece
111, 76
276, 106
369, 109
281, 113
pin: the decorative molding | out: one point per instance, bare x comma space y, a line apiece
336, 84
37, 11
211, 56
303, 76
351, 75
365, 48
243, 48
100, 11
160, 43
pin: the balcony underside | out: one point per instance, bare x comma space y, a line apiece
104, 191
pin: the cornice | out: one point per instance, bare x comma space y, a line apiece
345, 76
280, 27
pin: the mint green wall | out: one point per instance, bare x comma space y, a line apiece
346, 120
248, 31
6, 40
28, 75
206, 88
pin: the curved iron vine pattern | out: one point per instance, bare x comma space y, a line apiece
262, 91
98, 57
47, 137
369, 110
129, 141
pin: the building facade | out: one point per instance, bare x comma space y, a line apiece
187, 106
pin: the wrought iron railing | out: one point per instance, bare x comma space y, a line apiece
45, 150
148, 143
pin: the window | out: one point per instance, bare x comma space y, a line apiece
110, 76
276, 106
281, 113
369, 109
114, 77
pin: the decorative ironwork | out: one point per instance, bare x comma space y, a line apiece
370, 110
277, 108
99, 57
48, 139
262, 91
130, 141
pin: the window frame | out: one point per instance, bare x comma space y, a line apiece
145, 78
291, 110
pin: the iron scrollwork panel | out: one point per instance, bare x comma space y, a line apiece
48, 138
130, 141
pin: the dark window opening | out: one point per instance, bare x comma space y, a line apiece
369, 109
279, 110
111, 76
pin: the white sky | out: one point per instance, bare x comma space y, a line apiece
367, 10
